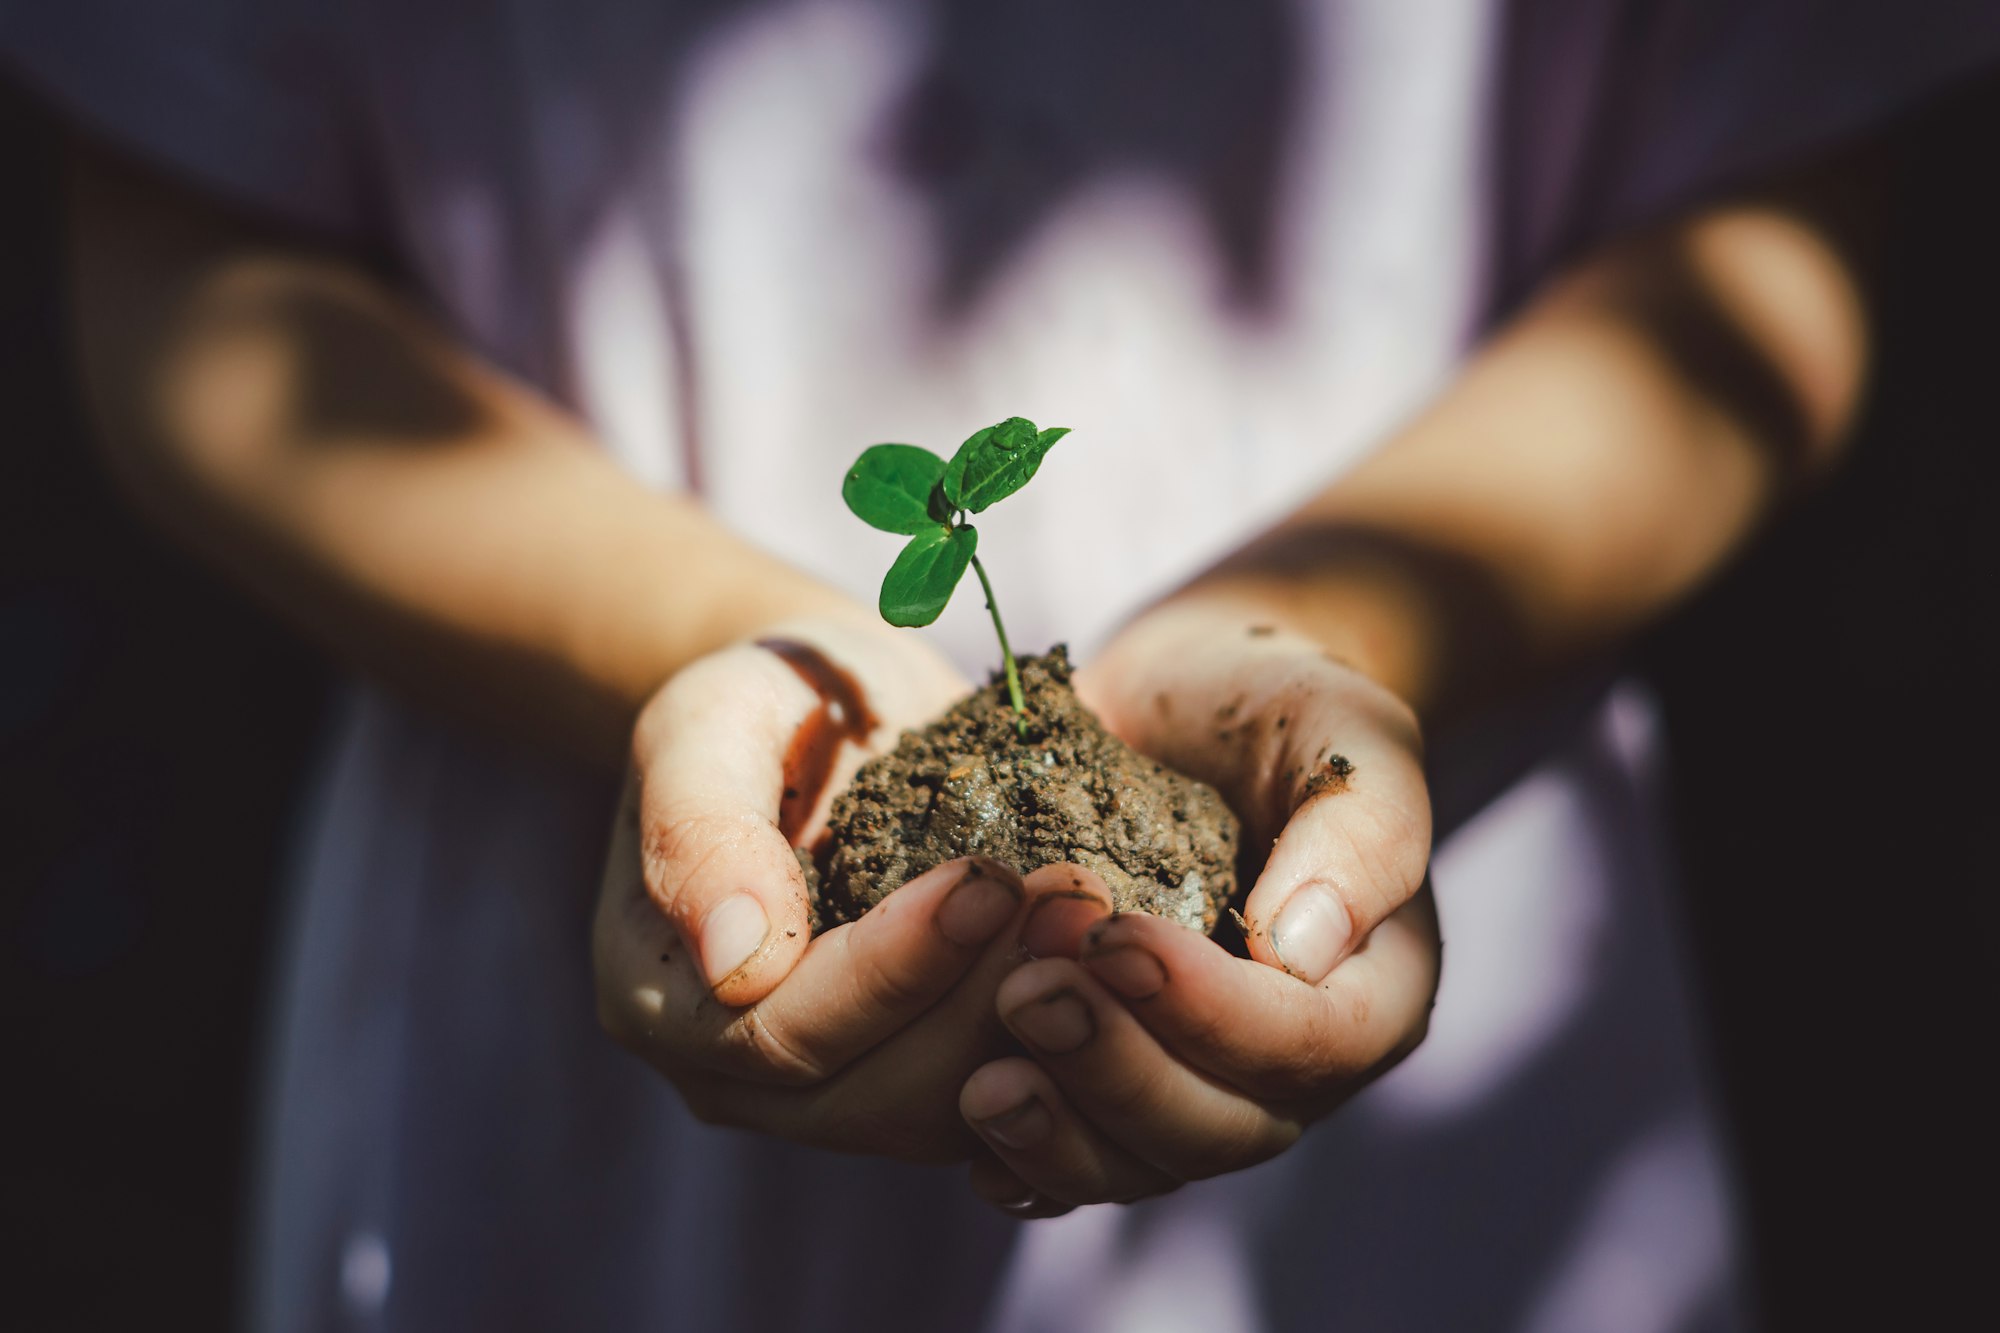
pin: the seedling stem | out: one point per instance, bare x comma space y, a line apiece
1006, 652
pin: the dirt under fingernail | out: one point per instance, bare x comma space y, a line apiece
1055, 928
1132, 972
975, 910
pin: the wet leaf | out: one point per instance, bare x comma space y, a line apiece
921, 581
995, 462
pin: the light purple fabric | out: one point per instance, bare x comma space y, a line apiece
1230, 245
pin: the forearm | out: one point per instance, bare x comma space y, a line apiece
434, 522
1593, 463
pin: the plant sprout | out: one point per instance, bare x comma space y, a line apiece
904, 489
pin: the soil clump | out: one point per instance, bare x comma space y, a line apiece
970, 784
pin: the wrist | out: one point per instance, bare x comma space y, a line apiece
684, 587
771, 595
1361, 627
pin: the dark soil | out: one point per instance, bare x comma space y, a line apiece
970, 784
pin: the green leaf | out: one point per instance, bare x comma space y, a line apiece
922, 579
996, 462
995, 443
889, 487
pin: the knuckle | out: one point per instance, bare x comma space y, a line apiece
1133, 1095
1210, 1028
888, 985
1325, 1055
1251, 1136
1305, 1066
760, 1050
677, 848
1389, 855
1357, 1009
1403, 832
1272, 1069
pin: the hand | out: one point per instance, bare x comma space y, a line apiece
1157, 1056
857, 1040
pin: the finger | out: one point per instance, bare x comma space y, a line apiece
1120, 1078
711, 754
906, 1091
857, 984
900, 1099
861, 983
1069, 900
1262, 1030
1356, 845
1026, 1123
992, 1181
1303, 748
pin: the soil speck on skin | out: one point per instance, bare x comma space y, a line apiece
1330, 776
970, 785
1262, 631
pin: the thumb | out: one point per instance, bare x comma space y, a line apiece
1355, 850
709, 755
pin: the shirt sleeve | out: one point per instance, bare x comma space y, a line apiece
251, 98
1612, 112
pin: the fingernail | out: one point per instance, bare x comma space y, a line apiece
1131, 971
976, 909
1056, 1024
733, 930
1026, 1126
1311, 933
1055, 928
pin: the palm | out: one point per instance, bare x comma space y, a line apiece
1154, 1056
859, 1038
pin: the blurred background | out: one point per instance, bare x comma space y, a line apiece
1833, 785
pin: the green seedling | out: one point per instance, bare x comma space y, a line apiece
904, 489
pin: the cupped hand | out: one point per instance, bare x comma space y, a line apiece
706, 966
1157, 1057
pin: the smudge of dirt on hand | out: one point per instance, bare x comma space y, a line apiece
843, 715
1331, 776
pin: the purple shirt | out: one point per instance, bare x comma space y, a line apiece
1232, 246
